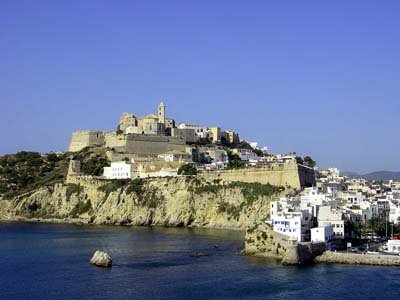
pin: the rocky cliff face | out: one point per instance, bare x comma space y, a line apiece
260, 240
180, 201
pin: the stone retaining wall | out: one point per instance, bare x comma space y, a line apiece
358, 259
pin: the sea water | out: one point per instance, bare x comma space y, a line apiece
51, 261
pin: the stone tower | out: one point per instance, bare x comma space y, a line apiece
74, 167
161, 113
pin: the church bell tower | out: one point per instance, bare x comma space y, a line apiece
161, 113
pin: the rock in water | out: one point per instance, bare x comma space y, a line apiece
199, 254
101, 259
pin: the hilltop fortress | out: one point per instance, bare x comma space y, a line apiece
149, 135
153, 146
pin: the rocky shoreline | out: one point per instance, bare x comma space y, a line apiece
328, 257
81, 222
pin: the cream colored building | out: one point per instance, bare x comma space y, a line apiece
152, 134
149, 124
328, 216
180, 156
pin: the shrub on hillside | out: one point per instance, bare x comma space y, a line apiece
187, 170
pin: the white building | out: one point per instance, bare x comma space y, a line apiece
200, 131
368, 211
394, 214
311, 199
218, 155
322, 234
254, 145
172, 156
118, 170
292, 224
330, 216
246, 155
356, 199
164, 172
393, 246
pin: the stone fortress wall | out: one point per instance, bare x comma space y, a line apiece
152, 144
84, 138
130, 143
282, 174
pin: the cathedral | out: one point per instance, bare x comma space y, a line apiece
151, 124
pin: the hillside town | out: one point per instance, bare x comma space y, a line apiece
324, 206
344, 213
154, 146
355, 215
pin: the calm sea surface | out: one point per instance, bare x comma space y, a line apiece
50, 261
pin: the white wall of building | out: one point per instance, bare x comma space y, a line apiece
118, 170
322, 234
394, 246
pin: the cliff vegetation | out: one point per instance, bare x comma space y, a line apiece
175, 201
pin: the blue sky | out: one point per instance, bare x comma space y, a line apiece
316, 77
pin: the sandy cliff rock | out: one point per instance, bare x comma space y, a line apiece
101, 259
260, 240
180, 201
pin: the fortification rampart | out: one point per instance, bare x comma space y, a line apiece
280, 174
86, 180
132, 143
85, 138
152, 144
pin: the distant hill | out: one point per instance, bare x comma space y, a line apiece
379, 175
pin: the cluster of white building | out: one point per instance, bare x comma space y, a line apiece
312, 216
319, 214
206, 158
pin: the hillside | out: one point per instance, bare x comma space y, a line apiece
27, 171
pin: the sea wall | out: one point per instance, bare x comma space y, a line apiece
177, 201
358, 259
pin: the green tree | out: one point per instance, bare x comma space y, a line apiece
299, 160
225, 142
244, 145
52, 157
3, 189
355, 227
309, 162
32, 159
187, 170
379, 227
94, 166
258, 152
234, 160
